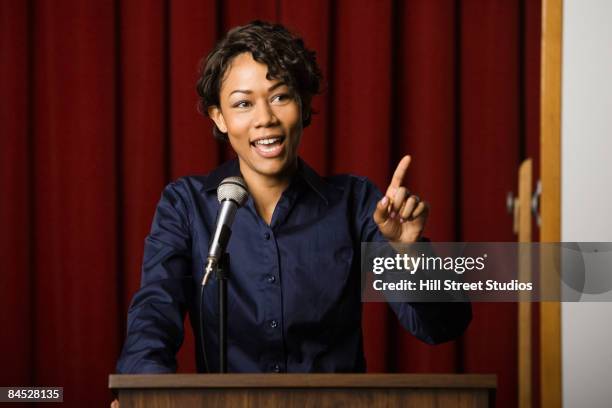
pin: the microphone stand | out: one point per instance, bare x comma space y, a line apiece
222, 274
221, 270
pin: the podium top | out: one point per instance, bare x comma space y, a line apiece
127, 381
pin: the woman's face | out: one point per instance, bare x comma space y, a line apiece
261, 117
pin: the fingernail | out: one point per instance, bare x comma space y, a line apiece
385, 200
393, 214
402, 220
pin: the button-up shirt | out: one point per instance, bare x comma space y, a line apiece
294, 285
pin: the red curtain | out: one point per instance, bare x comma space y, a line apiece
98, 113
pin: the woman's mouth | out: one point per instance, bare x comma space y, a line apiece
269, 147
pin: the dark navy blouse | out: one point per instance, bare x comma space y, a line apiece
294, 290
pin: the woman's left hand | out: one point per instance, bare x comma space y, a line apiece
401, 215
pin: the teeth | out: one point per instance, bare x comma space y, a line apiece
267, 141
267, 148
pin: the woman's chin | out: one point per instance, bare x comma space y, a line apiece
274, 168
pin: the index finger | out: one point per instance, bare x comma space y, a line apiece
399, 173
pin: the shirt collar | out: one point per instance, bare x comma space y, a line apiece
228, 169
308, 174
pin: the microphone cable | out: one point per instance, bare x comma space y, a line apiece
202, 346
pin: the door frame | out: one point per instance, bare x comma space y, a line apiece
550, 204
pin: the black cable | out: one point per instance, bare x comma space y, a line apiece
222, 326
202, 329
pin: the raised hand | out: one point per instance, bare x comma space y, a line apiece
400, 214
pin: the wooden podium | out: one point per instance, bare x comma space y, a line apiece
304, 390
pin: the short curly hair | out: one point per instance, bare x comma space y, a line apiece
284, 53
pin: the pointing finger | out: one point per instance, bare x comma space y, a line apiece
399, 173
398, 198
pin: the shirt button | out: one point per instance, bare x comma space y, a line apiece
271, 278
266, 235
276, 368
274, 324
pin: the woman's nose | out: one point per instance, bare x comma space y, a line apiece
265, 115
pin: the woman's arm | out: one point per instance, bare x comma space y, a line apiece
431, 322
155, 317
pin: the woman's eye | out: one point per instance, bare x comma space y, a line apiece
281, 98
242, 104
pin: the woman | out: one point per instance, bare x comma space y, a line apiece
294, 291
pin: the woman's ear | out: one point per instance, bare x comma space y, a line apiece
217, 116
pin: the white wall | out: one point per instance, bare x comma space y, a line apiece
587, 191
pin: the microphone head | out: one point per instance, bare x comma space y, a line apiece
233, 188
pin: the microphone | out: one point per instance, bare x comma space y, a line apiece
232, 194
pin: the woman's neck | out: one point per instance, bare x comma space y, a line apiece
265, 190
